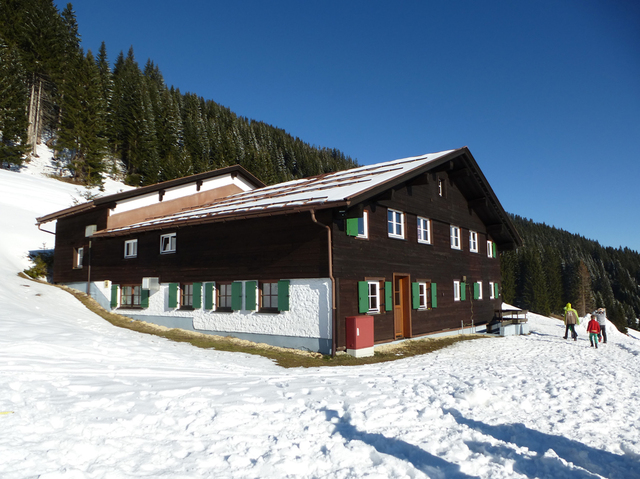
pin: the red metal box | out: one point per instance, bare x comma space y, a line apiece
359, 332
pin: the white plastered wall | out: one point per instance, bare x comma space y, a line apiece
309, 314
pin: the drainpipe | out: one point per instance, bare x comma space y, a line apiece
333, 284
89, 271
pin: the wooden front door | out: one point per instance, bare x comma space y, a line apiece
402, 305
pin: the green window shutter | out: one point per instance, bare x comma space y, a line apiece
388, 296
476, 290
363, 296
209, 290
173, 295
352, 226
495, 250
463, 291
415, 295
495, 286
197, 295
144, 298
236, 296
114, 296
283, 295
250, 295
434, 295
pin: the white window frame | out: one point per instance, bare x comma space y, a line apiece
373, 296
456, 290
455, 237
170, 246
424, 229
78, 257
365, 226
441, 187
489, 249
479, 290
131, 248
395, 219
492, 290
422, 293
473, 241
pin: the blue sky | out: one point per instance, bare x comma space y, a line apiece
546, 94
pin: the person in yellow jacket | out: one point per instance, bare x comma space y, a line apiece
571, 318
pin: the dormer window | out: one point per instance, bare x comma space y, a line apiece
441, 187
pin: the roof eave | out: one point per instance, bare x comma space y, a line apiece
220, 218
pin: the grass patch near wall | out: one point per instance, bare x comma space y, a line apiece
284, 357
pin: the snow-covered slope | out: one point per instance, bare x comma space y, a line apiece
89, 400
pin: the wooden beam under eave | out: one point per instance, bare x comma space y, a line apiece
476, 202
510, 246
422, 179
495, 229
386, 195
461, 173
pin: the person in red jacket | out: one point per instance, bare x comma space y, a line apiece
593, 328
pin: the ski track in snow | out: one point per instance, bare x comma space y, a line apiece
90, 400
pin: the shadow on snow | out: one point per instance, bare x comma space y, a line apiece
431, 465
591, 461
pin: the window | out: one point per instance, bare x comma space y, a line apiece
224, 297
477, 290
130, 296
491, 249
456, 290
358, 227
78, 257
395, 222
455, 237
131, 248
374, 296
89, 230
186, 295
422, 296
441, 187
168, 243
269, 296
492, 290
424, 230
473, 241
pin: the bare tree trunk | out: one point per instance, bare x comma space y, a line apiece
34, 131
31, 130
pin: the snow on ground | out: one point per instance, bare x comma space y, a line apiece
84, 399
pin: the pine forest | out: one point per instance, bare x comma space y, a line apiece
95, 117
123, 119
555, 267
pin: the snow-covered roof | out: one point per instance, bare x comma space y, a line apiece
317, 192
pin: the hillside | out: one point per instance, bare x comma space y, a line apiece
554, 267
95, 116
82, 399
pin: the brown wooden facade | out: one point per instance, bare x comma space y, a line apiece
296, 245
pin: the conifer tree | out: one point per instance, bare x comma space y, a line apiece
81, 131
13, 107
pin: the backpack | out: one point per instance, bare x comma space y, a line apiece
571, 317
